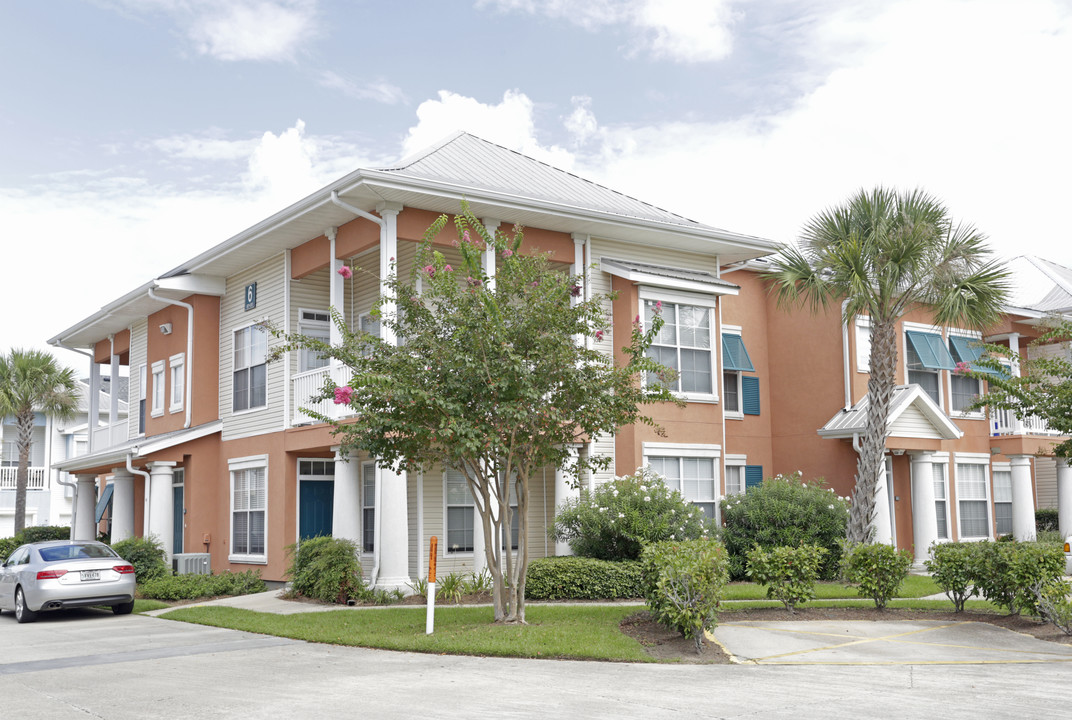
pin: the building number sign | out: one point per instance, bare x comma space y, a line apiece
251, 296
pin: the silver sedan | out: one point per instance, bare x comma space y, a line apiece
61, 574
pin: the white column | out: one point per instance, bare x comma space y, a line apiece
162, 504
566, 488
113, 393
94, 400
924, 516
881, 521
122, 504
1064, 497
336, 289
1023, 504
85, 516
388, 257
1014, 348
346, 501
487, 259
394, 531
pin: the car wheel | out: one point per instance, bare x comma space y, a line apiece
123, 608
22, 613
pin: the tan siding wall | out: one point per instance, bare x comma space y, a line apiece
1046, 482
139, 344
270, 278
912, 423
312, 292
363, 290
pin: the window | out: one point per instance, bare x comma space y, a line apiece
141, 399
460, 513
731, 392
693, 477
158, 388
178, 381
734, 479
737, 389
965, 390
250, 368
368, 506
683, 344
941, 500
863, 344
249, 508
972, 500
926, 357
314, 324
1003, 501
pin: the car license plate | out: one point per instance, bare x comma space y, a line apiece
90, 575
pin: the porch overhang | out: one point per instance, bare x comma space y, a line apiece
913, 417
141, 447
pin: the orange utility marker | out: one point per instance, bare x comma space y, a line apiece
429, 623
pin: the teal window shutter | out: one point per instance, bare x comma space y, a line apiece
105, 501
931, 351
753, 476
735, 355
968, 350
750, 395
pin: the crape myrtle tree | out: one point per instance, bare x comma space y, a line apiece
492, 377
32, 381
888, 253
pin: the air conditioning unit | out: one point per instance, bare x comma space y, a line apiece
192, 563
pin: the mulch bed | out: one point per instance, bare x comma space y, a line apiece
665, 644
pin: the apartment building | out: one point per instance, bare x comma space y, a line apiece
221, 461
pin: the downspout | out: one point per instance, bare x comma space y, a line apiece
721, 380
148, 492
189, 350
358, 211
74, 500
845, 354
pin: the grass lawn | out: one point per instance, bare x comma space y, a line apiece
554, 631
141, 605
914, 586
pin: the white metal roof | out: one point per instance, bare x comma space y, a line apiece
847, 423
1039, 284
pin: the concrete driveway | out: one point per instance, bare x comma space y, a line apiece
93, 664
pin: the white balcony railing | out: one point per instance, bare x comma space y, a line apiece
309, 383
1004, 422
106, 436
35, 481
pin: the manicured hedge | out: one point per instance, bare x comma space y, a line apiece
578, 578
1046, 520
38, 533
189, 587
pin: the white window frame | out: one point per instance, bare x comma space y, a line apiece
689, 450
708, 302
737, 462
235, 369
737, 414
942, 460
982, 460
953, 412
158, 389
1002, 467
307, 477
863, 344
933, 330
234, 465
447, 505
306, 360
369, 503
177, 373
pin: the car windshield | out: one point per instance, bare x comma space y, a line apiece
75, 552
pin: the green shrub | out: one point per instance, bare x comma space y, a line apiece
784, 512
683, 584
147, 556
42, 533
578, 578
1046, 520
7, 546
190, 587
326, 569
953, 568
623, 515
1053, 604
789, 573
1006, 572
878, 570
451, 587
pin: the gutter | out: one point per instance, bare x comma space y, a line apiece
845, 354
189, 360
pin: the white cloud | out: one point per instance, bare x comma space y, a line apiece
688, 31
237, 29
192, 147
581, 123
510, 123
380, 91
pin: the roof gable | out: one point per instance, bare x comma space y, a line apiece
912, 414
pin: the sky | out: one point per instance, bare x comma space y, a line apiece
135, 134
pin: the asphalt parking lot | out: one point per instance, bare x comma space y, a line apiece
93, 664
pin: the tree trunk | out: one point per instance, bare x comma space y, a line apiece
873, 446
24, 421
518, 567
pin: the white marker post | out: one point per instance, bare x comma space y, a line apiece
429, 623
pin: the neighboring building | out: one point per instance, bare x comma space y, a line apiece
220, 461
49, 501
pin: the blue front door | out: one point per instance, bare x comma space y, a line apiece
315, 502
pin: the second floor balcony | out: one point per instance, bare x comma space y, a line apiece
308, 384
36, 480
1005, 422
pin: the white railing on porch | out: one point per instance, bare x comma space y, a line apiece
1004, 422
35, 481
106, 436
308, 384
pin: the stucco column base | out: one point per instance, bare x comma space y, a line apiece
85, 525
924, 516
1064, 497
1023, 499
122, 505
394, 532
162, 504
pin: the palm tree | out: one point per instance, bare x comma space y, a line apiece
31, 380
888, 253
